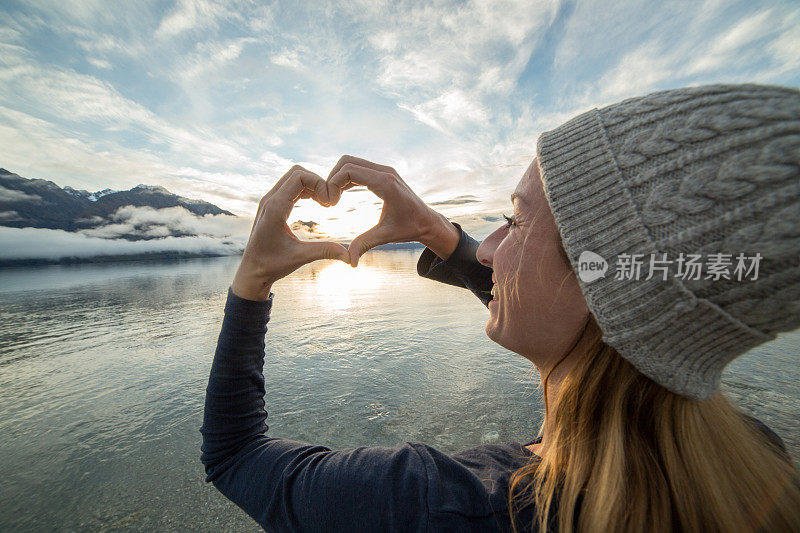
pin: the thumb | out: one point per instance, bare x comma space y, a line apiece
366, 241
312, 251
334, 192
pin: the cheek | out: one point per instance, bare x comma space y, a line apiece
538, 275
505, 262
549, 284
515, 277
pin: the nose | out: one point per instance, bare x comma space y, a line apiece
485, 252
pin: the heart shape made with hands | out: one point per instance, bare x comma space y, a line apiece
403, 214
274, 251
344, 216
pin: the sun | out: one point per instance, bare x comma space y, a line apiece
354, 214
340, 286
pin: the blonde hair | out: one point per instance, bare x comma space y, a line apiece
625, 454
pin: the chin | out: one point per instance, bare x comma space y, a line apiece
502, 337
495, 333
490, 329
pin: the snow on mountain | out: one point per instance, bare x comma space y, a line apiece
91, 196
99, 194
153, 188
38, 203
77, 193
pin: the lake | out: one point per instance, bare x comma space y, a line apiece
103, 370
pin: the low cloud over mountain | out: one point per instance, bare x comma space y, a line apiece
25, 244
37, 203
40, 220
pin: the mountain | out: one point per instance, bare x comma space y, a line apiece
38, 203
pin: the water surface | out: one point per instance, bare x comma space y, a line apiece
103, 371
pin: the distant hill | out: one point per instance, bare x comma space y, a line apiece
400, 246
38, 203
110, 225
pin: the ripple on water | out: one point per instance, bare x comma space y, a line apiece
103, 373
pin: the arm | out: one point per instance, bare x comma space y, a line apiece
234, 414
461, 268
286, 485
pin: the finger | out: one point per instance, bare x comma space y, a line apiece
335, 192
366, 241
300, 183
275, 188
351, 174
313, 187
360, 162
311, 251
278, 184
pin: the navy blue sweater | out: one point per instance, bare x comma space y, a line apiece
286, 485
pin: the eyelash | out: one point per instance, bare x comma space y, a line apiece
510, 221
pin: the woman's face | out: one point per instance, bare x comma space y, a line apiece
538, 307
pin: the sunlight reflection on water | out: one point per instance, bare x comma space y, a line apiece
338, 284
103, 371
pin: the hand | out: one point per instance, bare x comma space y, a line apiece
272, 250
404, 217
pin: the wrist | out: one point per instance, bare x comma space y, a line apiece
442, 237
249, 284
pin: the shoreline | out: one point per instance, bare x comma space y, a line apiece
153, 256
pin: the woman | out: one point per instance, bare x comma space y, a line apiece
636, 436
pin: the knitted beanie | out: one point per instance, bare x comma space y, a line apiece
699, 187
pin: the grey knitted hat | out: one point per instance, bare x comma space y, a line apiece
706, 175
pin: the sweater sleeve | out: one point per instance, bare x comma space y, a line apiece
286, 485
461, 269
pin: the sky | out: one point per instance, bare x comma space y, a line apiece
217, 99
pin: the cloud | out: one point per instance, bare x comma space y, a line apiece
9, 216
309, 226
714, 46
288, 58
172, 229
454, 65
727, 47
132, 223
189, 15
213, 55
453, 109
90, 221
34, 243
99, 63
218, 99
458, 200
477, 225
91, 104
784, 47
447, 44
13, 195
308, 231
